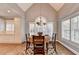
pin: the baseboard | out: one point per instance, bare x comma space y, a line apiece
72, 50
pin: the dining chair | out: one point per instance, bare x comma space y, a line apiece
38, 43
27, 43
47, 44
54, 42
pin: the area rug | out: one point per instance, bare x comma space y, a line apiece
30, 51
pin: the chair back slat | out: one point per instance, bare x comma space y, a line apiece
54, 38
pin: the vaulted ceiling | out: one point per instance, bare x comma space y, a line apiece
26, 6
57, 6
18, 9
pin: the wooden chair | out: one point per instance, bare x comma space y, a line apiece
54, 42
27, 43
38, 43
47, 45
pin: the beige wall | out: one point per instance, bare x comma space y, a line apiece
46, 11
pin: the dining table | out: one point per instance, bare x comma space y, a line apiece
46, 40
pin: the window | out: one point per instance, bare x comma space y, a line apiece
66, 29
46, 29
2, 25
31, 28
70, 29
50, 28
40, 25
6, 25
9, 25
75, 29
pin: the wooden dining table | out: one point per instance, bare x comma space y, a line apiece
46, 40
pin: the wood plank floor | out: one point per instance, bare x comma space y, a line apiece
18, 49
62, 50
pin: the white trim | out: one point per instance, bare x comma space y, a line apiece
75, 52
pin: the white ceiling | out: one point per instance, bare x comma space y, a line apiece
13, 9
26, 6
57, 6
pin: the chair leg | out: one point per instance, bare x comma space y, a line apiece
55, 49
47, 47
25, 51
27, 46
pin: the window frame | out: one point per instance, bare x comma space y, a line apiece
52, 23
2, 20
4, 29
70, 27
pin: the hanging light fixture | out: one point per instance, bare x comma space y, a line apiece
39, 18
40, 22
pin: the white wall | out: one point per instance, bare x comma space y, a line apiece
23, 38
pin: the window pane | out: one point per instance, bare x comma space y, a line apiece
75, 29
50, 28
78, 31
66, 29
2, 25
46, 29
9, 25
31, 28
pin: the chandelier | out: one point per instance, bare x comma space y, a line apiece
41, 20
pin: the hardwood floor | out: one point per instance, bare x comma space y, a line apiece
18, 49
63, 51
